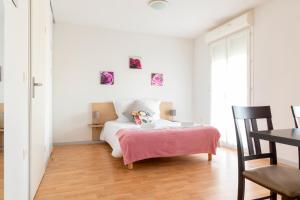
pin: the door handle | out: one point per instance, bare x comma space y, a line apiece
34, 84
37, 84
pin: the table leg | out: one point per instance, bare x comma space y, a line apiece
272, 147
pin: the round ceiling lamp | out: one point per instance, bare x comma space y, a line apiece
158, 4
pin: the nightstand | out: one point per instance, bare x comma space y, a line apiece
96, 129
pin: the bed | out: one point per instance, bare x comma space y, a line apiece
163, 138
110, 131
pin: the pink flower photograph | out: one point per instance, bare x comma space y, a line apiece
157, 79
107, 78
135, 63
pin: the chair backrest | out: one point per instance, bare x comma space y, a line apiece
250, 115
296, 114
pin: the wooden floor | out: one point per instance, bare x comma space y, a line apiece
88, 172
1, 175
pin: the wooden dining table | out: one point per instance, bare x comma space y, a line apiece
283, 136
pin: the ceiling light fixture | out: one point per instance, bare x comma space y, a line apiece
158, 4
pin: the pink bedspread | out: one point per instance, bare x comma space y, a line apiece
139, 144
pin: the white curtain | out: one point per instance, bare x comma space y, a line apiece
230, 81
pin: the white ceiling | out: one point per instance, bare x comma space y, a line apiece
183, 18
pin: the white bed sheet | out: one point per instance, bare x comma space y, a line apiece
111, 128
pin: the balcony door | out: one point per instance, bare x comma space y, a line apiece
230, 81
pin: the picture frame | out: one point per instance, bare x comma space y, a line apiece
107, 78
135, 62
157, 79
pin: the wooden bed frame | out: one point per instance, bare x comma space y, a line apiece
108, 113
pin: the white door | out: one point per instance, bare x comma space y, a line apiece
40, 117
238, 90
16, 99
230, 81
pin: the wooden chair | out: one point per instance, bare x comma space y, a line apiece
296, 116
279, 180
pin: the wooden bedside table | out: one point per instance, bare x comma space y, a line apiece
96, 129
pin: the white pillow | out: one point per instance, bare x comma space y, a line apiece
154, 106
120, 107
135, 107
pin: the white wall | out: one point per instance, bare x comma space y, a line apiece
80, 53
201, 81
1, 48
276, 66
277, 63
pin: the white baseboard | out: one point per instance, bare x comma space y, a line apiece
80, 142
280, 160
227, 146
288, 162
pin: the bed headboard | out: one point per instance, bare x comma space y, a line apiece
1, 107
108, 113
1, 116
1, 124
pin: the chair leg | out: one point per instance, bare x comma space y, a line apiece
241, 188
273, 195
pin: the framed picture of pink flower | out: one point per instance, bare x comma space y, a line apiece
107, 78
135, 63
157, 79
